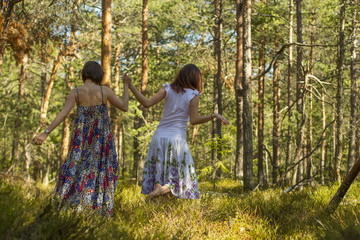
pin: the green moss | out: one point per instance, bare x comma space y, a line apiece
28, 212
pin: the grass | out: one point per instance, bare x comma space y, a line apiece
28, 212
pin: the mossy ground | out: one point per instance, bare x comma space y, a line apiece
28, 212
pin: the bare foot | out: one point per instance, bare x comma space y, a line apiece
161, 190
157, 186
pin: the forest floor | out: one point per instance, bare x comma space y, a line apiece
27, 212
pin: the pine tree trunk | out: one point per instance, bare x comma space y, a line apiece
300, 95
323, 144
45, 104
260, 174
247, 114
290, 94
144, 81
18, 123
238, 91
310, 136
216, 131
106, 42
339, 195
353, 97
276, 119
339, 95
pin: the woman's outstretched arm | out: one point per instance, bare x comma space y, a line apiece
196, 119
122, 104
69, 104
148, 102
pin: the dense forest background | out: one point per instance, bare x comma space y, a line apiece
284, 73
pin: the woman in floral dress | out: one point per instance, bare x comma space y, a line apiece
169, 166
88, 177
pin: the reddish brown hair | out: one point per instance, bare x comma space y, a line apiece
188, 77
92, 70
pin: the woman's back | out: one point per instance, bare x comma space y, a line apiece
90, 95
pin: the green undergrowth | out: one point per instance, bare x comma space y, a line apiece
27, 211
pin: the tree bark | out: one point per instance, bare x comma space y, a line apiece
311, 70
260, 165
339, 95
353, 96
290, 94
18, 124
247, 114
216, 131
276, 119
45, 104
144, 81
323, 144
106, 42
339, 195
300, 94
238, 91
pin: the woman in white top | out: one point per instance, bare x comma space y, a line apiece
169, 166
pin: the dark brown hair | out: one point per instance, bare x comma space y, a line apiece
188, 77
92, 70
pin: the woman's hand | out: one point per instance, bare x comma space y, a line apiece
126, 79
221, 118
41, 138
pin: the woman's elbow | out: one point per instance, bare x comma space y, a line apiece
193, 122
146, 105
125, 108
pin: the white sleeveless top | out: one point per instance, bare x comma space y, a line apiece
176, 109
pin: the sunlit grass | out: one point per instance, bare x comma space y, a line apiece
28, 212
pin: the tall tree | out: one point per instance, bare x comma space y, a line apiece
339, 94
238, 90
260, 165
216, 126
106, 42
300, 95
140, 161
353, 96
247, 113
276, 118
290, 91
310, 125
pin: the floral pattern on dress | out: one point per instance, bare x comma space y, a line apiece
89, 175
169, 162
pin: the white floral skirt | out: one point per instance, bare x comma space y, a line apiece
169, 162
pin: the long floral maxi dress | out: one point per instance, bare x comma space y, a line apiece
169, 161
89, 176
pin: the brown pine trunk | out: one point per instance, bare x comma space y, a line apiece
353, 97
309, 137
238, 91
140, 161
300, 95
276, 119
260, 165
339, 195
290, 94
217, 82
323, 144
45, 104
15, 146
339, 95
106, 42
247, 113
